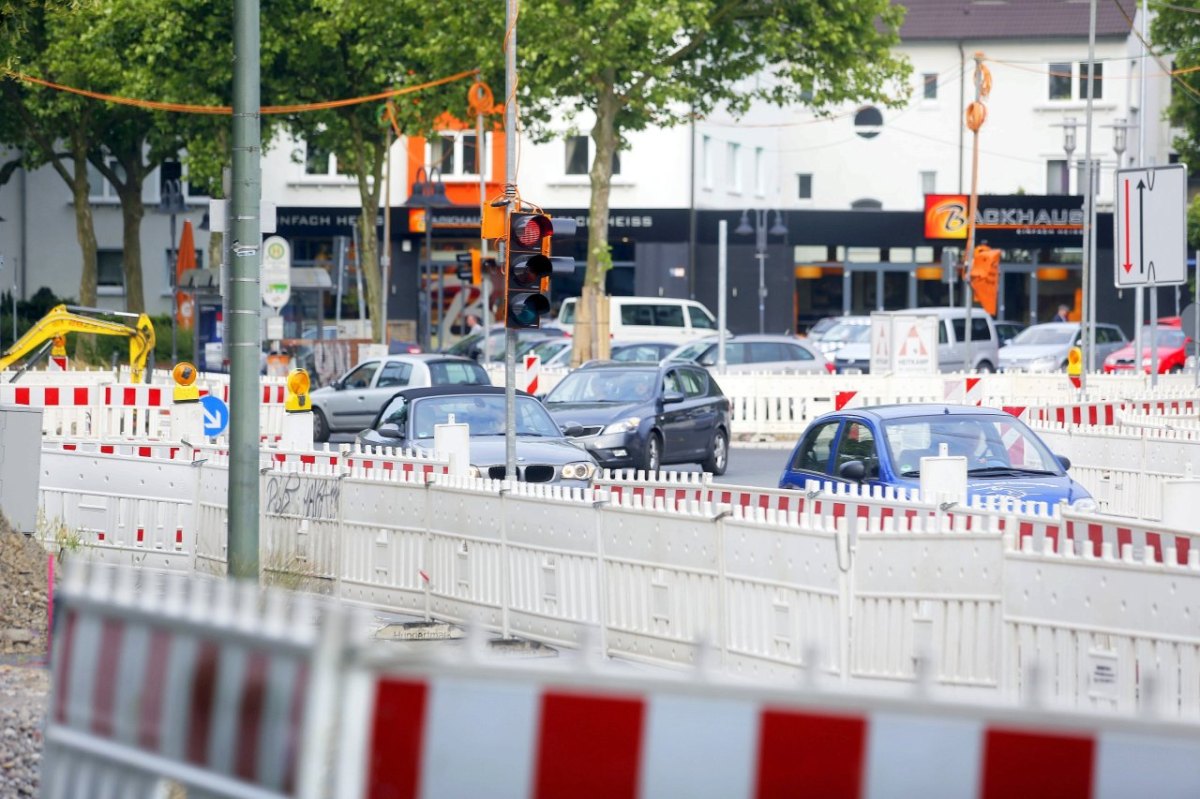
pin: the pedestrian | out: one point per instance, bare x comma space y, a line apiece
1061, 316
473, 325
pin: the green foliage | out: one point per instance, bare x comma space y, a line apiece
1175, 28
1193, 223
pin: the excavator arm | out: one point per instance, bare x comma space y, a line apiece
63, 319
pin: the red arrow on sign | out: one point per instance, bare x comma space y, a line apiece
1128, 265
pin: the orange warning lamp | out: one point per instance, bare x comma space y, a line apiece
297, 392
1074, 362
58, 348
186, 389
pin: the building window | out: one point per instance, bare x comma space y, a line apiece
580, 152
804, 182
1056, 177
319, 160
110, 271
760, 174
733, 166
930, 83
868, 122
99, 188
1097, 80
1060, 81
929, 182
706, 164
452, 154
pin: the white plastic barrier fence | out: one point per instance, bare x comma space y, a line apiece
868, 590
166, 685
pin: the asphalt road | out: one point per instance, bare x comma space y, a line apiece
748, 466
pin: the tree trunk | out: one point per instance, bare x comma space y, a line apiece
85, 233
599, 260
368, 159
132, 212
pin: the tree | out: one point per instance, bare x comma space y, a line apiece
47, 127
1174, 28
349, 48
635, 64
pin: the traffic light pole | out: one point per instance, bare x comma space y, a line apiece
510, 188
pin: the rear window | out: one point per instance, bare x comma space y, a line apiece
457, 373
651, 315
979, 329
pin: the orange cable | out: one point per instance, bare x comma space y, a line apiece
186, 108
1017, 65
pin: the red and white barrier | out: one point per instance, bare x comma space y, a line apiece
531, 735
530, 374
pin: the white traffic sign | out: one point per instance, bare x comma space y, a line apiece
276, 272
1150, 227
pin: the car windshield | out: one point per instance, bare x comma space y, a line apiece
545, 350
1166, 336
1047, 334
822, 326
605, 385
998, 446
847, 332
483, 413
465, 346
691, 352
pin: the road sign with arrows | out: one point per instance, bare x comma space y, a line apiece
1150, 226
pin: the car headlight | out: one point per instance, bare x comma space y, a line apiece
473, 471
623, 426
1044, 363
580, 470
1085, 505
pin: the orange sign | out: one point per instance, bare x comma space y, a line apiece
946, 216
416, 220
185, 260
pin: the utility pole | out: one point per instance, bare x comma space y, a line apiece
510, 193
976, 114
386, 261
478, 98
1088, 285
245, 300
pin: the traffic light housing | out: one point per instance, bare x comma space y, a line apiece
985, 276
470, 266
529, 265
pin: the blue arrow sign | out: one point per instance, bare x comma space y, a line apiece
216, 415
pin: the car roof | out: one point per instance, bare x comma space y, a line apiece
424, 357
438, 391
641, 366
885, 412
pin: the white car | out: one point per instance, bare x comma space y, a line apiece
352, 402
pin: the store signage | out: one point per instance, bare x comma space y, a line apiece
946, 215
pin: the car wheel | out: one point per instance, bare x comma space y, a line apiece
1176, 369
985, 368
320, 427
652, 460
718, 457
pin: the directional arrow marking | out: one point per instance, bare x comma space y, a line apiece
1141, 187
212, 419
1127, 265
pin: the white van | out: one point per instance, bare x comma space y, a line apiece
647, 318
952, 342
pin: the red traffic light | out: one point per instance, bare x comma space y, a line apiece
528, 230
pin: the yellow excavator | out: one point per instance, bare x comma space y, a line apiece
52, 329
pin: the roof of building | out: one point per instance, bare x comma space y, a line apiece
1010, 19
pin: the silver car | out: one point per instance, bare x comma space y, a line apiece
544, 454
354, 399
757, 353
1044, 348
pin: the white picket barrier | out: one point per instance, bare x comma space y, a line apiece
164, 685
869, 580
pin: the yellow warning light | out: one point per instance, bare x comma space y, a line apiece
297, 392
58, 347
186, 389
1075, 361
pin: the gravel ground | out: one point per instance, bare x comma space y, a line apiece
24, 681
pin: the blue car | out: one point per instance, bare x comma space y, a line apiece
883, 446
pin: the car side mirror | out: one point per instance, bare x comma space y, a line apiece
1064, 462
853, 470
672, 397
572, 430
708, 360
390, 430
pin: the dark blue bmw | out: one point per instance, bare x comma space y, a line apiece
883, 446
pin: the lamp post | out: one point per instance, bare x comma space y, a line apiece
1069, 124
760, 231
172, 202
428, 192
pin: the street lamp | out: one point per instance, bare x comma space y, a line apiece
172, 202
1069, 124
760, 231
428, 192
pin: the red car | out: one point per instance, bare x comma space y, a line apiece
1172, 351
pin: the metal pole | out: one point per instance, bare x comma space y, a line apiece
1089, 211
341, 273
722, 290
245, 300
973, 210
426, 288
387, 244
1196, 321
760, 246
1139, 294
485, 279
174, 300
1153, 337
510, 175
